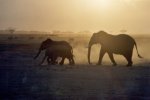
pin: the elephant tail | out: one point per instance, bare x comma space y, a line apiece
137, 50
71, 49
72, 53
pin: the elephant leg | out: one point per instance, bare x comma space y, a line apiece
112, 59
73, 62
53, 60
48, 60
128, 56
62, 61
70, 61
101, 54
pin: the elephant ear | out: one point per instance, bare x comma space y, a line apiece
49, 40
103, 33
45, 43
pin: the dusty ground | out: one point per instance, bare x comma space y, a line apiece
21, 78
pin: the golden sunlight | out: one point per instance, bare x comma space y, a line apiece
103, 4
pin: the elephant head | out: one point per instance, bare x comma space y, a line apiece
95, 39
45, 44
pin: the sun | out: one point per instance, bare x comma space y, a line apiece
104, 4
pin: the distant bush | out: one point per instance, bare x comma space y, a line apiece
10, 38
11, 31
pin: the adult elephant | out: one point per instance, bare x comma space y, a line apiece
56, 51
113, 44
49, 42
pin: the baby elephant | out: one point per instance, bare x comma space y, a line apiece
55, 51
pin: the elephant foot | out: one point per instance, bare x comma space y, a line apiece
114, 64
72, 64
98, 64
60, 63
129, 65
54, 63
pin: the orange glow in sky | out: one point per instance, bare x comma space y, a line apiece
76, 15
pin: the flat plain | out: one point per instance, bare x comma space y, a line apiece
22, 78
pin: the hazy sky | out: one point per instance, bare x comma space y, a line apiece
76, 15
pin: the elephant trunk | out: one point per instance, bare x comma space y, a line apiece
38, 54
89, 50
